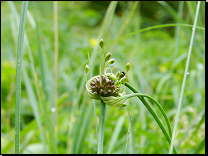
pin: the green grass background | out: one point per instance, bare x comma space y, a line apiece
157, 58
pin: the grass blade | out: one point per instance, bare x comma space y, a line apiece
184, 79
55, 8
34, 105
155, 27
18, 74
201, 145
115, 134
188, 130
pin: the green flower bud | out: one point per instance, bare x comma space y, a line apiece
111, 76
102, 44
127, 67
87, 68
111, 61
108, 56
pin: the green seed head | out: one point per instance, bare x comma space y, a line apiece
111, 61
127, 67
102, 44
108, 56
87, 68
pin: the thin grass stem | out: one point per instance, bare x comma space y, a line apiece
184, 79
55, 8
18, 75
154, 27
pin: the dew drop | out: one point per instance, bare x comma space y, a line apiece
53, 109
187, 73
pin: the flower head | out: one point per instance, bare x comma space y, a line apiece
107, 86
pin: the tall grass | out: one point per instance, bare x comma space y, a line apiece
186, 73
53, 69
55, 8
18, 74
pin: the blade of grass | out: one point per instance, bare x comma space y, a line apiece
154, 27
184, 79
84, 126
201, 145
190, 127
41, 59
198, 125
115, 134
74, 115
180, 11
34, 106
18, 74
55, 10
32, 66
12, 140
46, 88
126, 22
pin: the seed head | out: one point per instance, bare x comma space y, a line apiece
102, 44
108, 56
127, 67
111, 61
87, 68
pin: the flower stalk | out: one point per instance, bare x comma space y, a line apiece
101, 127
108, 88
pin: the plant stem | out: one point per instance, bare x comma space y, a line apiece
184, 79
55, 8
18, 75
101, 128
153, 114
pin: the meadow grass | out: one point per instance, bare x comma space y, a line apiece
53, 77
18, 75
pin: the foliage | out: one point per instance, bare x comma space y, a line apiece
157, 58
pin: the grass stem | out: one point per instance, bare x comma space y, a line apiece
18, 75
55, 8
184, 79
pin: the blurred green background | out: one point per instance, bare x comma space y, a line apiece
157, 58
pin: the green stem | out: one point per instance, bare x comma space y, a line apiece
184, 79
167, 136
101, 128
18, 75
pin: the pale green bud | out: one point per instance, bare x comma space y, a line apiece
127, 67
108, 56
102, 44
111, 61
111, 76
87, 68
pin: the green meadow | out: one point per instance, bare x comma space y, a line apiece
45, 106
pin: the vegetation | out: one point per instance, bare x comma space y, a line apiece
57, 115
